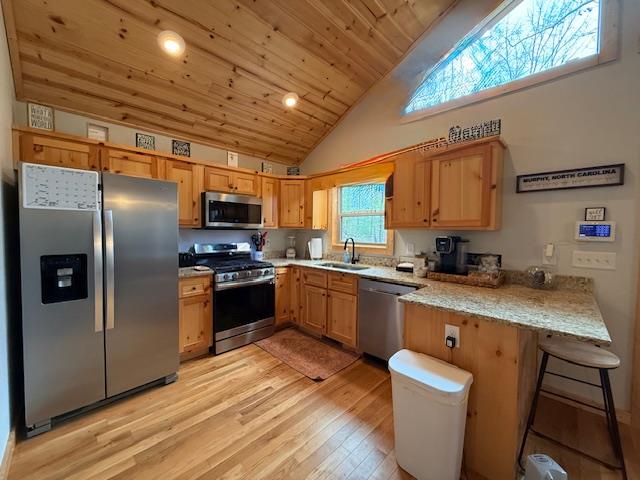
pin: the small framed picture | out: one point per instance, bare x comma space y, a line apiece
267, 167
232, 158
97, 132
145, 141
595, 214
181, 148
293, 170
40, 116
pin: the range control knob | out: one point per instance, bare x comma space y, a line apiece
225, 276
258, 272
267, 271
234, 275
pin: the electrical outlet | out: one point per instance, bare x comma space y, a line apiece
411, 248
597, 260
452, 331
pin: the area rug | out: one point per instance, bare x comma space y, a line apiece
309, 356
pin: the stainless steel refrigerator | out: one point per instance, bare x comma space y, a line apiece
99, 280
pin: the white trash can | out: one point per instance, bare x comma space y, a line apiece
429, 414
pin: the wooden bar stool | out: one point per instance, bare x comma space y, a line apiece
587, 356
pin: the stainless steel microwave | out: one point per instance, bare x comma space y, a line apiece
225, 210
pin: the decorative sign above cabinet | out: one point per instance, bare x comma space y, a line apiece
475, 132
40, 116
179, 147
600, 176
145, 141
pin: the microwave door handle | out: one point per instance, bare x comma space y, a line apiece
109, 266
98, 271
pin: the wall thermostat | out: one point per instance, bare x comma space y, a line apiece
595, 231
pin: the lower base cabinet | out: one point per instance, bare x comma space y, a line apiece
195, 318
330, 305
283, 294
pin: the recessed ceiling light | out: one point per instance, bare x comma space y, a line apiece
290, 100
171, 42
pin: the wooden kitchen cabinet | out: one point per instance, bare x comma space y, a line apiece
342, 317
229, 181
292, 203
130, 163
58, 152
461, 188
189, 178
330, 304
195, 317
283, 293
314, 308
411, 191
269, 191
295, 303
320, 210
502, 359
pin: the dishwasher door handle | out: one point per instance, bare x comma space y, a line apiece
373, 290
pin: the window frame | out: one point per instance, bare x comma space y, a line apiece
335, 224
607, 52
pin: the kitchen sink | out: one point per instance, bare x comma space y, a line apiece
343, 266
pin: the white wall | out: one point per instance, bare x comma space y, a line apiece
276, 238
589, 118
7, 218
74, 124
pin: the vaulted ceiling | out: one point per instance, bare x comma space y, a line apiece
101, 58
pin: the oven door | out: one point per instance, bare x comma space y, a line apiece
223, 210
242, 308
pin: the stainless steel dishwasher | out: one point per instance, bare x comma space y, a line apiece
380, 317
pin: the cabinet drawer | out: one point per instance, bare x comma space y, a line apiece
190, 287
343, 282
315, 278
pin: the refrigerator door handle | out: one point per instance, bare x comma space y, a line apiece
97, 271
109, 291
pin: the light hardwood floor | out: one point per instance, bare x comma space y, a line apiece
246, 415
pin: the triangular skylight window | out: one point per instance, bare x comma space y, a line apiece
532, 37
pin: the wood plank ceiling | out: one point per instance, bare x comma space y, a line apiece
101, 58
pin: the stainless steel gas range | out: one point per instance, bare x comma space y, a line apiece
244, 294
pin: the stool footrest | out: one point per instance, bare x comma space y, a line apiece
559, 395
573, 379
575, 450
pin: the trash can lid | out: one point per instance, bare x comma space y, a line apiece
431, 373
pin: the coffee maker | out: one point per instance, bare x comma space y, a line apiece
453, 254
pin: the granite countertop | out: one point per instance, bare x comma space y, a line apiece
185, 272
572, 313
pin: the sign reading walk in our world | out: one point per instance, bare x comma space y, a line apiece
601, 176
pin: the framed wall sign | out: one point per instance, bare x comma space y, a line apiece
595, 214
97, 132
232, 158
145, 141
293, 170
267, 167
600, 176
40, 116
178, 147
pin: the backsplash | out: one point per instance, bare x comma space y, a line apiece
276, 239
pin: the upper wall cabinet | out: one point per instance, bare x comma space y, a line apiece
292, 203
58, 152
130, 163
229, 181
456, 190
461, 189
411, 191
269, 192
189, 178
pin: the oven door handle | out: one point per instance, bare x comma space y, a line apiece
244, 283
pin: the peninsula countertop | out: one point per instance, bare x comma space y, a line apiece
571, 313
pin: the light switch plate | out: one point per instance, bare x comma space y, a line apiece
549, 259
411, 248
597, 260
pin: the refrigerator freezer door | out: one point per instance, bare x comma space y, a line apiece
62, 330
141, 280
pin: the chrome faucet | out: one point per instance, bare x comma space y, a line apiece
353, 249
